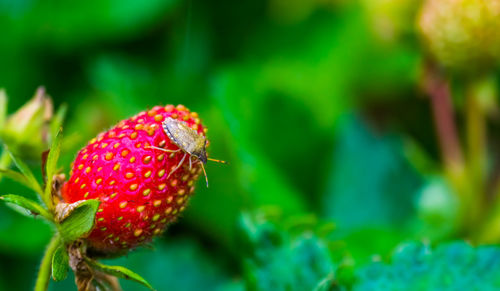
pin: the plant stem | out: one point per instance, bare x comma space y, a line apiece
42, 281
455, 169
476, 139
442, 109
481, 97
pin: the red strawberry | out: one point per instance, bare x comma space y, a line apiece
122, 168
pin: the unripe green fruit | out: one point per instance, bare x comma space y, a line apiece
438, 207
462, 35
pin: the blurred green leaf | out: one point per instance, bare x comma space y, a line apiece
25, 170
373, 170
31, 206
279, 261
3, 108
186, 264
263, 181
370, 169
352, 245
80, 221
312, 64
60, 264
120, 80
22, 236
16, 176
119, 271
96, 21
451, 266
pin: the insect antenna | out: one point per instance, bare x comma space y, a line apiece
218, 161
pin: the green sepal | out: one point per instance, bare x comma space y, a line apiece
51, 165
119, 272
25, 170
32, 206
60, 263
80, 221
57, 120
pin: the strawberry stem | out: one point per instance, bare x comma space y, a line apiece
442, 109
42, 281
477, 152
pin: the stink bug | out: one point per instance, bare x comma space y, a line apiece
188, 141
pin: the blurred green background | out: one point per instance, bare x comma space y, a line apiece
316, 104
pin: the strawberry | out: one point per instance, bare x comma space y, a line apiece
133, 178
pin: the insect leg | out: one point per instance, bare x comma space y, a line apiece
180, 163
190, 163
204, 172
157, 148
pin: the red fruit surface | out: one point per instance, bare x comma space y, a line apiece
137, 199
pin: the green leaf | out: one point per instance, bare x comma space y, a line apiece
25, 170
26, 204
51, 166
416, 266
120, 272
183, 262
80, 221
60, 264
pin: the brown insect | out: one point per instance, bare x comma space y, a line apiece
189, 141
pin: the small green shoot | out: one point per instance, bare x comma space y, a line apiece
51, 167
119, 271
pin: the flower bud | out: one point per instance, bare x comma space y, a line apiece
26, 131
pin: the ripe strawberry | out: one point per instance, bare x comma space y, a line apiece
122, 169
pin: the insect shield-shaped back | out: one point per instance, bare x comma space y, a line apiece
189, 141
186, 138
